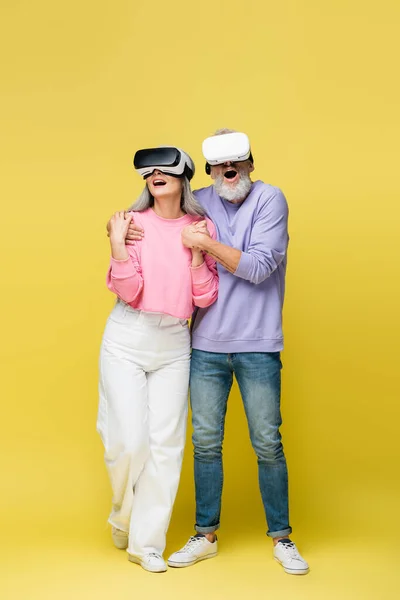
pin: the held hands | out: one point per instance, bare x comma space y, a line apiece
133, 233
202, 226
118, 227
193, 234
190, 234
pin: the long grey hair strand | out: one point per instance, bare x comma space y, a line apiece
189, 203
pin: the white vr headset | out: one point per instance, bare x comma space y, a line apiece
167, 159
228, 147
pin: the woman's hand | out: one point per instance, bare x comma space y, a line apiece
190, 235
119, 224
134, 233
197, 257
193, 234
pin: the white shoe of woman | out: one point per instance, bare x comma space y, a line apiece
120, 538
152, 561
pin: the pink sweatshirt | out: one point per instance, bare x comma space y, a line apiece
158, 276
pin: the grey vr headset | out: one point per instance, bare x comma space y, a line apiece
228, 147
167, 159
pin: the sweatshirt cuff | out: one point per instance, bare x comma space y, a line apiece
121, 269
200, 274
244, 267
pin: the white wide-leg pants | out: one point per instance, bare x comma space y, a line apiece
144, 378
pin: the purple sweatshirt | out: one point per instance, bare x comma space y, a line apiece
247, 316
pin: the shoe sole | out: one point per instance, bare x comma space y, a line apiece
138, 561
177, 565
121, 546
293, 571
120, 541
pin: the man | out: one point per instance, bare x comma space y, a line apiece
241, 335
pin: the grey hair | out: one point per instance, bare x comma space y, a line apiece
224, 130
189, 203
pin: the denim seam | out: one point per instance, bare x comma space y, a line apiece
213, 528
222, 430
275, 339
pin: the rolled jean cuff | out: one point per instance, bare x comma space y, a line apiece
281, 533
206, 529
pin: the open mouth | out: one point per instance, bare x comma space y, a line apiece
231, 174
159, 182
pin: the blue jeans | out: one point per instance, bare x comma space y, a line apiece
259, 378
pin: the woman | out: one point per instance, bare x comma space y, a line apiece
145, 352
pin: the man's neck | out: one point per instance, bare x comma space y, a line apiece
236, 201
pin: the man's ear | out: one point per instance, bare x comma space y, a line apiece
251, 169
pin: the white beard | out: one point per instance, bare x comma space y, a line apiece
233, 194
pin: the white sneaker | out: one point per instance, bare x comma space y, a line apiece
286, 553
197, 548
152, 562
120, 538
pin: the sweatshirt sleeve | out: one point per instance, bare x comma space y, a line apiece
205, 277
124, 277
268, 241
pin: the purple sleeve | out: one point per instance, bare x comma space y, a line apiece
268, 241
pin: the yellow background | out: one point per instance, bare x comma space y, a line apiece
315, 85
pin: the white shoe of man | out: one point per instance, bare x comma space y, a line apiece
286, 553
152, 561
197, 548
120, 538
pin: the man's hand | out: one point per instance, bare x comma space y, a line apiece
201, 226
197, 236
193, 234
134, 232
192, 237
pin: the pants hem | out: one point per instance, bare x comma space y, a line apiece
206, 529
117, 526
281, 533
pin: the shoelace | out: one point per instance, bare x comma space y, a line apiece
290, 550
192, 544
154, 555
